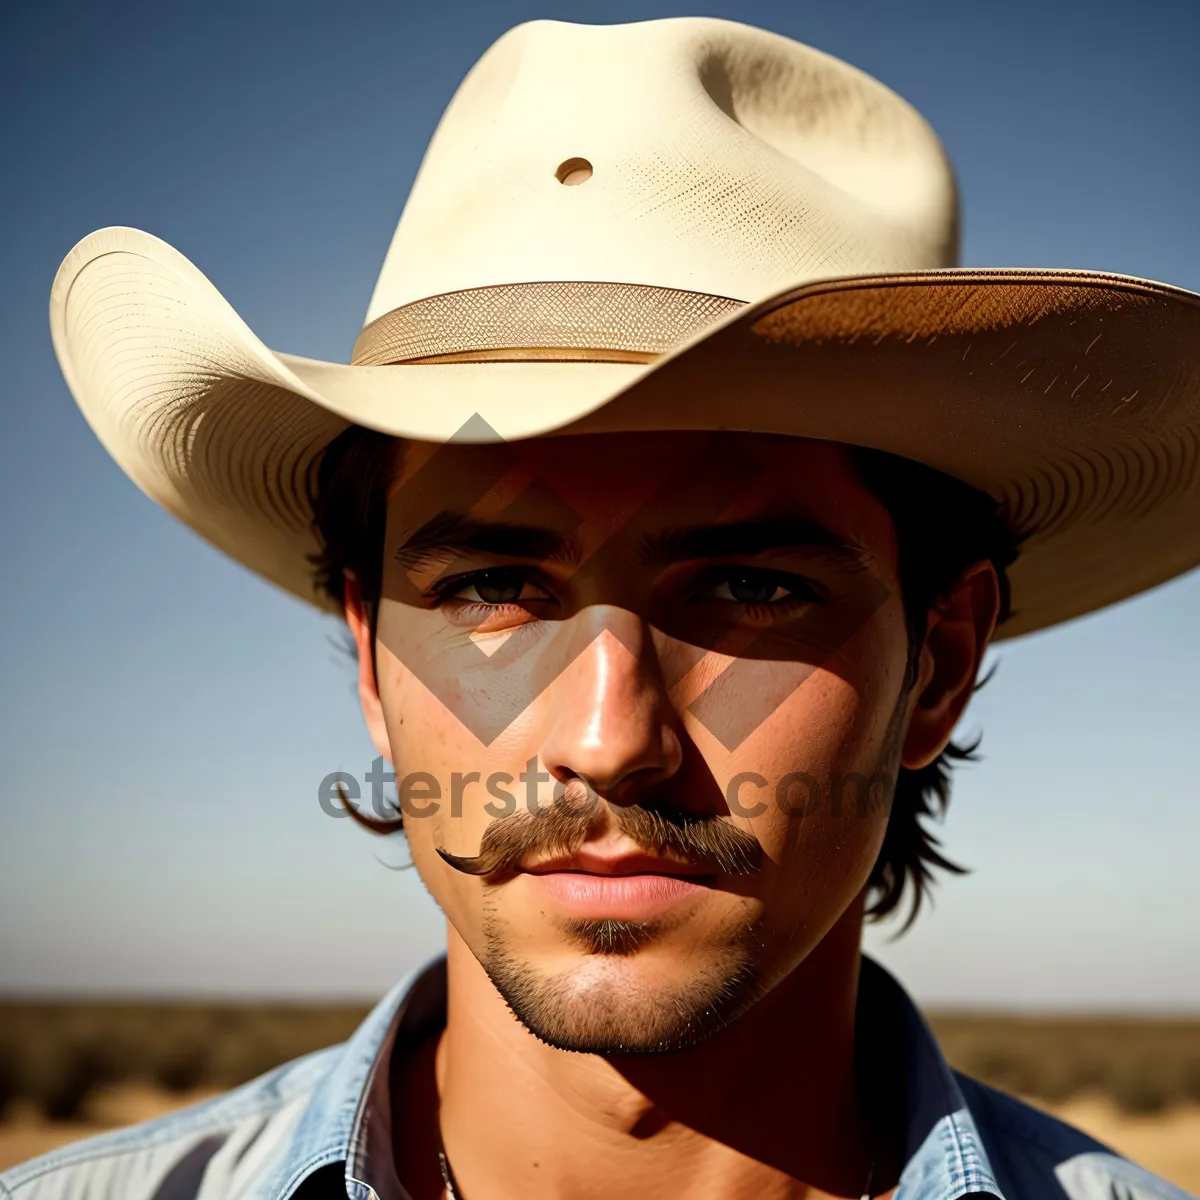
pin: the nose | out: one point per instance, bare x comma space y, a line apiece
613, 724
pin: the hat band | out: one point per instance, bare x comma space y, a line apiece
563, 321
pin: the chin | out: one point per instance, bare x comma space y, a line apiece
626, 996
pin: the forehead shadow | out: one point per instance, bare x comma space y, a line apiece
452, 481
616, 454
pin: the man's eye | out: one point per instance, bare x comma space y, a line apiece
758, 587
493, 587
747, 590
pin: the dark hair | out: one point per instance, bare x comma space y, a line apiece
943, 526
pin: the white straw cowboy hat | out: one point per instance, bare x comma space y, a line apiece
678, 224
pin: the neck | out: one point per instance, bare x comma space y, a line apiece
765, 1108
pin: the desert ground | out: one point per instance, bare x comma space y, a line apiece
68, 1071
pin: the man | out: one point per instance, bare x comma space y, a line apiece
675, 491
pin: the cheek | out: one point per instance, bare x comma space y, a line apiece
429, 737
821, 780
814, 753
471, 691
826, 813
803, 721
422, 729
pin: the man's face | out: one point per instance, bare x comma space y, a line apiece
685, 654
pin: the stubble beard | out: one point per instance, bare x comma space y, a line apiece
599, 1007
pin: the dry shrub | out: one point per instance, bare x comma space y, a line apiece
1142, 1064
55, 1054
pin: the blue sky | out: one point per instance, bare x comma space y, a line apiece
165, 718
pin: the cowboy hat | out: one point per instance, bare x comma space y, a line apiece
676, 224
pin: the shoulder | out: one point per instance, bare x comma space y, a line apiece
221, 1147
1035, 1155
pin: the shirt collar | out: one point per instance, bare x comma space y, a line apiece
944, 1154
348, 1118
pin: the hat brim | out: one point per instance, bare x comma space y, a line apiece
1073, 397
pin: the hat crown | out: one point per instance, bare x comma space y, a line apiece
723, 159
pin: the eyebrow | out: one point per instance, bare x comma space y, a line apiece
451, 532
751, 537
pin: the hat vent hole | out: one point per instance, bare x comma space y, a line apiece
573, 172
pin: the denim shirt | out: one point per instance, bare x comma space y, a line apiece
320, 1128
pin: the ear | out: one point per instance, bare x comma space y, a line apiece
956, 636
368, 691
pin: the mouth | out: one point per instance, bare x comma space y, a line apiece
630, 887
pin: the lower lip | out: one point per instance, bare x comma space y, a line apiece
630, 897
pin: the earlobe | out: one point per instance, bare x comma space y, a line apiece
368, 691
956, 638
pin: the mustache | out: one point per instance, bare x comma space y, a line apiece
697, 839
